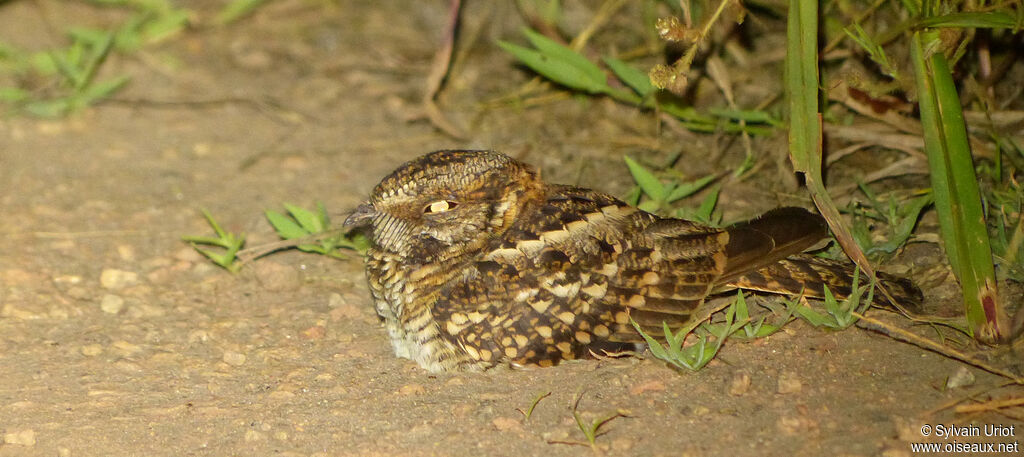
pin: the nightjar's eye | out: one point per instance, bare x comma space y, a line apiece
440, 206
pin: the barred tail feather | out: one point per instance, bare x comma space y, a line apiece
810, 275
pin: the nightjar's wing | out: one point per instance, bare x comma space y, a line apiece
565, 280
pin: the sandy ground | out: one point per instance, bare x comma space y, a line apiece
116, 338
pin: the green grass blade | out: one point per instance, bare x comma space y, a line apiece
686, 189
99, 53
955, 187
559, 64
657, 350
98, 91
561, 53
285, 226
309, 220
632, 77
802, 86
649, 183
801, 80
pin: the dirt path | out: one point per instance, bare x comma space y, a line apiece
117, 339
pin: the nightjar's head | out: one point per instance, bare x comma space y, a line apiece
445, 204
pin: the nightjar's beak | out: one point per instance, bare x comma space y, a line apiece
362, 216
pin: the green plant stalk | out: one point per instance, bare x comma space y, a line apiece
533, 405
801, 67
955, 187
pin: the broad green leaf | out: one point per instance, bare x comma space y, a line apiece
686, 189
309, 220
632, 77
285, 226
655, 347
815, 318
558, 71
649, 183
707, 207
562, 53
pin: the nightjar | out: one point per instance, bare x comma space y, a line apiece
475, 261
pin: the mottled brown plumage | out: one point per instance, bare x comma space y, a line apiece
475, 261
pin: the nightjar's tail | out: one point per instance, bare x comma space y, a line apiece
764, 254
810, 275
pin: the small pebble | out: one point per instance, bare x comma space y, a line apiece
25, 437
114, 279
463, 410
739, 384
795, 425
234, 358
111, 304
789, 383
